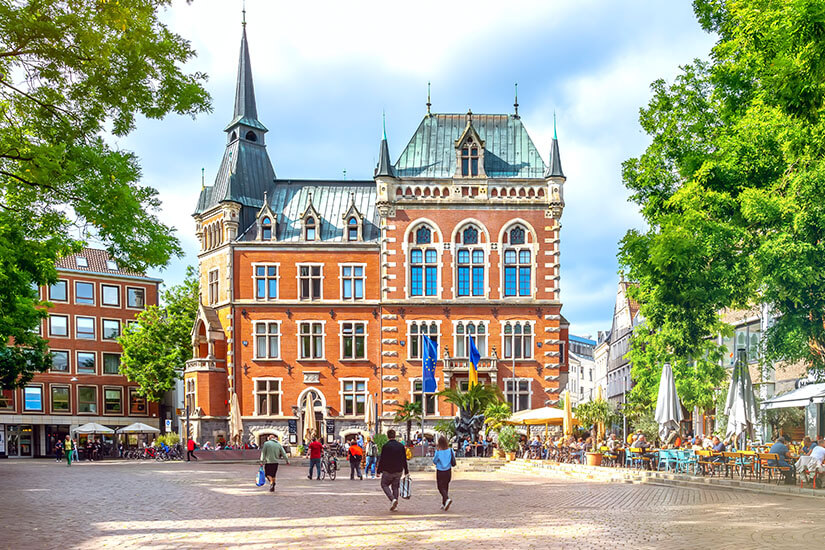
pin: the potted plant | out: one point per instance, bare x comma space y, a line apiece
494, 417
508, 441
594, 413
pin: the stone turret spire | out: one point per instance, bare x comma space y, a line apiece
384, 167
554, 167
246, 110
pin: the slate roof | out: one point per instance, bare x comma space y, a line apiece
289, 199
508, 150
96, 259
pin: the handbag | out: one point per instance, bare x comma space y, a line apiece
405, 491
452, 458
260, 479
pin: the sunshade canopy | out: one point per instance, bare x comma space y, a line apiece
534, 417
138, 428
800, 397
93, 428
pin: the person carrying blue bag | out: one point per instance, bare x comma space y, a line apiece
271, 452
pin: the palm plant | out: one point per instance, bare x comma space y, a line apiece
409, 413
473, 401
496, 414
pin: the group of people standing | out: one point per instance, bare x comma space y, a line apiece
390, 463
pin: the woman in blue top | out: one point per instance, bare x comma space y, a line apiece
444, 460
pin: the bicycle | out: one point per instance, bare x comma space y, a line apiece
329, 466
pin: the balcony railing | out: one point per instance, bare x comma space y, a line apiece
485, 364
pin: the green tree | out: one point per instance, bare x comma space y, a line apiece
156, 348
409, 413
473, 401
446, 427
495, 414
731, 189
70, 74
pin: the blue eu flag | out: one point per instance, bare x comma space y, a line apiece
430, 357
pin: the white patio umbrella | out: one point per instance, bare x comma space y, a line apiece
93, 428
741, 404
310, 427
369, 414
668, 407
138, 428
235, 423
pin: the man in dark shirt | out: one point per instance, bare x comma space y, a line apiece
779, 448
392, 464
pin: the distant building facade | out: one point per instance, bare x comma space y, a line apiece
316, 295
93, 300
625, 317
581, 372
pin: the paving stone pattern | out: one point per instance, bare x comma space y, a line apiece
179, 505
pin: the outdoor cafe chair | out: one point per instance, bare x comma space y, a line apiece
668, 459
708, 460
765, 465
637, 457
746, 462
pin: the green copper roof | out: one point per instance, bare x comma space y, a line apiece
508, 150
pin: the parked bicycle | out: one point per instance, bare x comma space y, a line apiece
329, 466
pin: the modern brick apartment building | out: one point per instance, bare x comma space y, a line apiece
326, 288
93, 300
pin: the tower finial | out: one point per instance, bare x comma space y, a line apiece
516, 103
555, 136
384, 122
428, 99
203, 179
243, 13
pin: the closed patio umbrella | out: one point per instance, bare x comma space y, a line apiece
369, 414
310, 428
668, 407
568, 414
741, 404
235, 423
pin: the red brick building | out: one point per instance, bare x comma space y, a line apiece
327, 287
93, 300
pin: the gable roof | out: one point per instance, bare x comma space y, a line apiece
508, 150
96, 262
331, 199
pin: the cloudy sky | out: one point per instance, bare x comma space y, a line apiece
325, 71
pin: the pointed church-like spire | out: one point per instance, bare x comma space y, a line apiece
384, 167
246, 110
554, 167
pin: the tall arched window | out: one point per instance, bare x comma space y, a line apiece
310, 229
518, 264
423, 264
470, 262
352, 229
266, 228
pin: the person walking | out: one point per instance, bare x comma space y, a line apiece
271, 452
190, 449
315, 451
355, 454
58, 451
68, 448
444, 460
392, 464
371, 451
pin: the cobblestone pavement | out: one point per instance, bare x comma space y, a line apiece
180, 505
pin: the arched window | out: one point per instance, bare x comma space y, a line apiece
310, 229
423, 235
518, 340
464, 331
352, 229
518, 263
470, 263
517, 235
266, 228
250, 135
233, 137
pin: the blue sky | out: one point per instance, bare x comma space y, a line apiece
325, 71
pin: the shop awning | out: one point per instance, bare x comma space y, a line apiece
800, 397
138, 428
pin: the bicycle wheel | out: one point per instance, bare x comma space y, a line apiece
323, 471
332, 474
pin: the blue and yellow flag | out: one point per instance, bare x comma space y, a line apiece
429, 360
475, 356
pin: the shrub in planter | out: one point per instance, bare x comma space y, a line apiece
508, 439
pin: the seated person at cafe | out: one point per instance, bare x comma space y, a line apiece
718, 447
807, 445
697, 443
817, 453
779, 448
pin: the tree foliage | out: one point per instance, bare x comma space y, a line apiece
72, 72
475, 400
594, 412
156, 348
408, 413
495, 414
731, 189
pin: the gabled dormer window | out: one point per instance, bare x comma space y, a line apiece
352, 229
353, 222
310, 229
469, 159
266, 228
